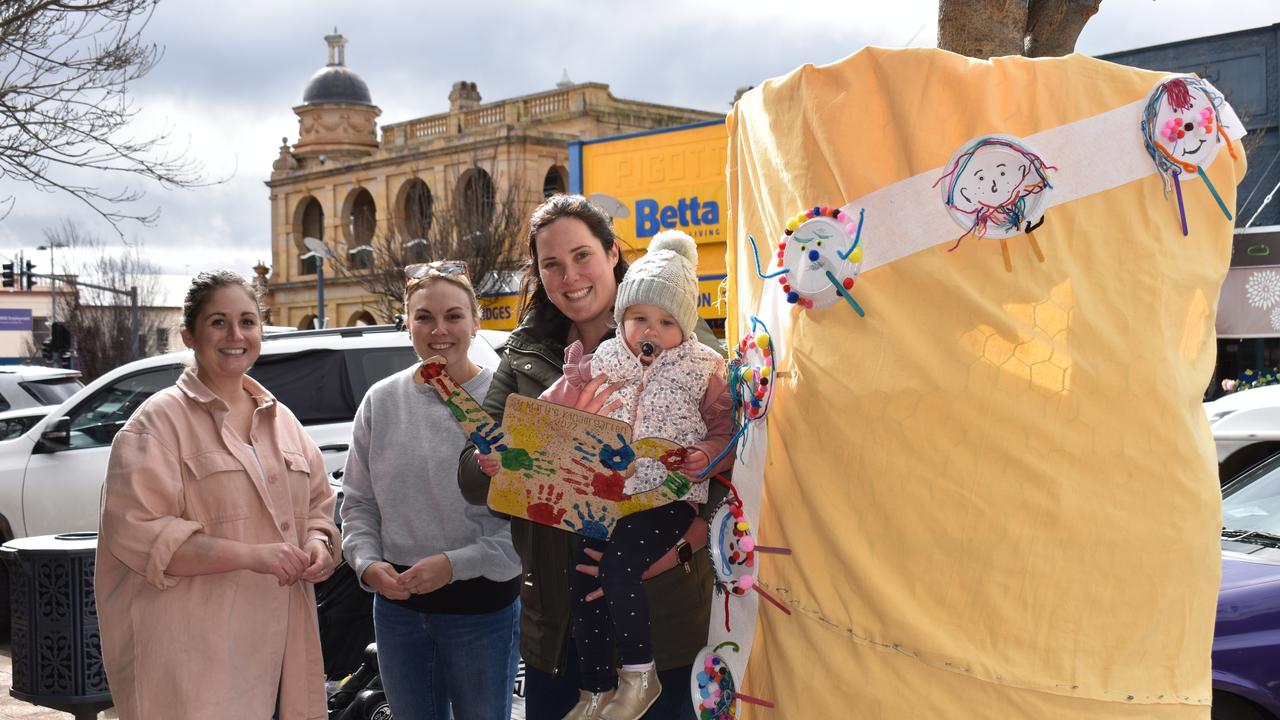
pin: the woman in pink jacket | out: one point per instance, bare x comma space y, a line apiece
216, 520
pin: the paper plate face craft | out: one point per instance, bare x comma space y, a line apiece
733, 556
819, 256
995, 187
1182, 131
752, 372
713, 687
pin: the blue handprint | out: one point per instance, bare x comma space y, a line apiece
589, 524
487, 438
614, 458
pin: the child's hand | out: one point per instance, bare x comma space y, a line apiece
488, 462
695, 461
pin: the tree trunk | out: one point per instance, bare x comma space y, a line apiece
982, 28
1054, 25
992, 28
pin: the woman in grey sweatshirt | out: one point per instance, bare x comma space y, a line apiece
447, 578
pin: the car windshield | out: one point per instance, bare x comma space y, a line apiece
326, 386
1252, 502
52, 391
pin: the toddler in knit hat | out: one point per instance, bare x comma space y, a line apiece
666, 384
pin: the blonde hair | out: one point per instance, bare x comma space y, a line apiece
413, 285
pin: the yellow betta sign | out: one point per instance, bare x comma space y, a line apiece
669, 179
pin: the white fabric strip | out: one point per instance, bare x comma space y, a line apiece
909, 216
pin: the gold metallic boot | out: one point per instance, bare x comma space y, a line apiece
637, 691
589, 705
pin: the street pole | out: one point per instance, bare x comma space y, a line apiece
133, 321
320, 291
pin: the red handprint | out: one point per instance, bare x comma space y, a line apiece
604, 485
544, 511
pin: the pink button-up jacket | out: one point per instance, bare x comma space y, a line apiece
211, 646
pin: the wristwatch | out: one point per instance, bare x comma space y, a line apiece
684, 553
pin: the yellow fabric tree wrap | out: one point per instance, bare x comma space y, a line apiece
999, 486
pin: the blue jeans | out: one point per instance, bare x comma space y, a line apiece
429, 661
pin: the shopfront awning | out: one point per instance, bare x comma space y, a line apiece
1249, 305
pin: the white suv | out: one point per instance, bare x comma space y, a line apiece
51, 476
29, 386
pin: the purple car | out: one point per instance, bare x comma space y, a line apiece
1246, 642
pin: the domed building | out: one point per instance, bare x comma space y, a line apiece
459, 182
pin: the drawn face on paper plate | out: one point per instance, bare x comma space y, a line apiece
995, 187
1185, 123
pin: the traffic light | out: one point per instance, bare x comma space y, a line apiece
31, 279
7, 274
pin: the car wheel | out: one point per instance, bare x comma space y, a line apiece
381, 712
1233, 707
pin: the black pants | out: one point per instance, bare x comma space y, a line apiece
622, 618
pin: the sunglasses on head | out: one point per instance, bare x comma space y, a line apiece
418, 271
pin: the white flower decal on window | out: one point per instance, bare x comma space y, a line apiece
1263, 289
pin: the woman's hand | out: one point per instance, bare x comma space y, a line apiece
320, 565
286, 561
427, 575
594, 397
696, 536
385, 580
488, 462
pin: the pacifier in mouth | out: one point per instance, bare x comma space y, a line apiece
647, 348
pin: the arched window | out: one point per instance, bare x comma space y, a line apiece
308, 322
312, 226
415, 210
477, 200
360, 257
555, 182
415, 251
362, 220
361, 317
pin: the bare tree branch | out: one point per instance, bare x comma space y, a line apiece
480, 221
99, 321
65, 68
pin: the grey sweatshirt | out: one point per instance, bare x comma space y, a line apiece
401, 501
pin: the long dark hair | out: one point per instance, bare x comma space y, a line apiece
557, 207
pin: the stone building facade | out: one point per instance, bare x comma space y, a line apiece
347, 185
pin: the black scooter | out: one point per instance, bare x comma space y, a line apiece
360, 695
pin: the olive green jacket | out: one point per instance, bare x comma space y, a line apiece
680, 602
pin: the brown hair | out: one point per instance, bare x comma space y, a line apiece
202, 288
558, 207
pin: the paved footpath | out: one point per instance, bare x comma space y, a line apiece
11, 707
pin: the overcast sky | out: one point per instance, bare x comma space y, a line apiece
231, 73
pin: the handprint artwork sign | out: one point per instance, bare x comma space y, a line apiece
560, 467
592, 456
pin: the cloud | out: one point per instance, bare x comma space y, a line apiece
232, 72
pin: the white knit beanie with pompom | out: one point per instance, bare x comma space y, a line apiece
667, 276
